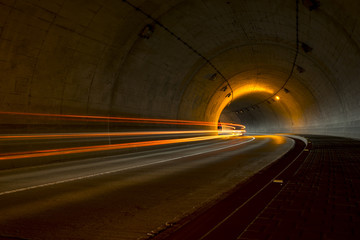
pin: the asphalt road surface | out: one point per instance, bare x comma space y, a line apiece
127, 195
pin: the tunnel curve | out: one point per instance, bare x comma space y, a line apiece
96, 62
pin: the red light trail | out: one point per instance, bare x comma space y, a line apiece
86, 135
63, 151
87, 149
119, 119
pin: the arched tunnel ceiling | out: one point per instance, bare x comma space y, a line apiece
94, 58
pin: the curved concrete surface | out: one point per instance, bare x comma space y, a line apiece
107, 58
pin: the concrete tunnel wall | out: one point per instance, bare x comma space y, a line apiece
87, 58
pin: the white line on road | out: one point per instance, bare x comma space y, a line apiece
117, 170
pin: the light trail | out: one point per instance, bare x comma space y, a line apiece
121, 169
119, 119
112, 134
115, 119
87, 149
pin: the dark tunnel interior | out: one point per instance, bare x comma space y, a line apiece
125, 119
189, 60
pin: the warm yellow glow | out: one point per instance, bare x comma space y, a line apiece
232, 129
277, 98
278, 139
242, 91
251, 88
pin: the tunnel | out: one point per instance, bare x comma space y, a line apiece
189, 60
276, 67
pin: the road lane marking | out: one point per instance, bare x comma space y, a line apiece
118, 170
251, 198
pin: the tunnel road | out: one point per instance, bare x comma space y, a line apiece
127, 196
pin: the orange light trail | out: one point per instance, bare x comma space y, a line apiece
117, 119
114, 119
87, 149
86, 135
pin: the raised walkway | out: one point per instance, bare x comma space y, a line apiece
316, 197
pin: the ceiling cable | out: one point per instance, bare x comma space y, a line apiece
293, 64
183, 42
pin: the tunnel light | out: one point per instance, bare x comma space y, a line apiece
213, 77
300, 69
311, 4
306, 47
277, 98
147, 31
